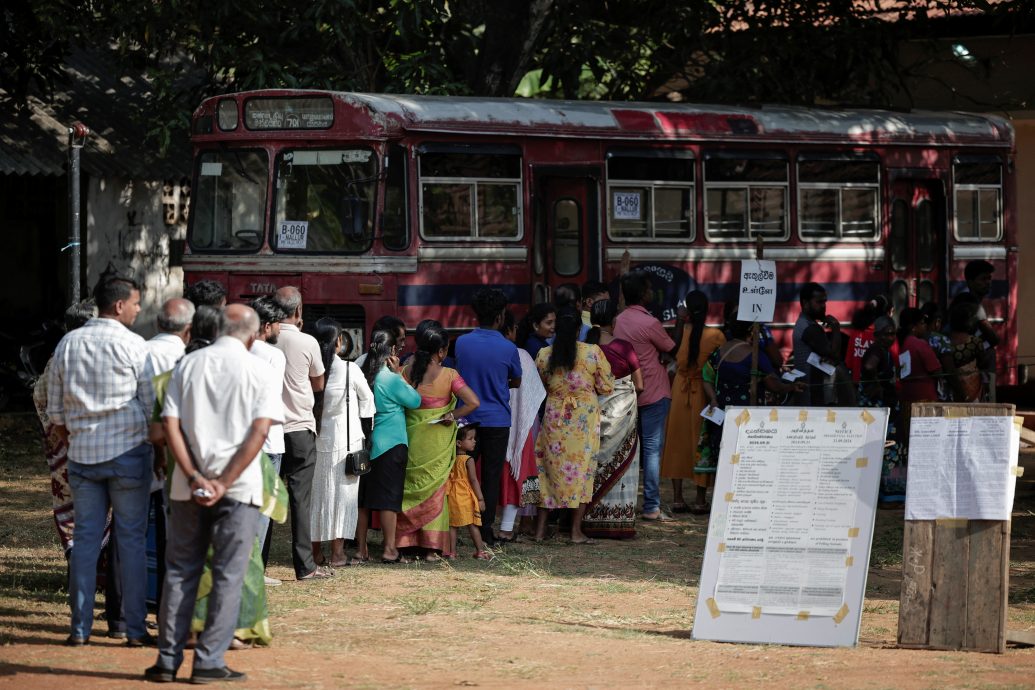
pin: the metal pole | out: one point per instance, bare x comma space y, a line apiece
77, 134
755, 336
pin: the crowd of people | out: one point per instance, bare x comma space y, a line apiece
235, 416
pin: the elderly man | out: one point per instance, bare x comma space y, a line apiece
218, 411
166, 348
303, 379
96, 398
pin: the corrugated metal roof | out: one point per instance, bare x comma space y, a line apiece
34, 139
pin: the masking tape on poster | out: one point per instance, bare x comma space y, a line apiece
841, 614
713, 608
803, 615
756, 612
774, 416
831, 416
1017, 471
853, 532
861, 462
867, 417
803, 416
951, 522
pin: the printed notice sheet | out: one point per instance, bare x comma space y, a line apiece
961, 467
792, 514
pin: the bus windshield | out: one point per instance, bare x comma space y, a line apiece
325, 200
230, 201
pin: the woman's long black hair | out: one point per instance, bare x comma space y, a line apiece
381, 344
327, 333
565, 340
432, 339
697, 312
527, 326
204, 328
602, 313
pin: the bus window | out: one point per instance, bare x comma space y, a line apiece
395, 218
567, 255
745, 198
650, 198
470, 196
925, 241
979, 193
230, 201
838, 199
324, 201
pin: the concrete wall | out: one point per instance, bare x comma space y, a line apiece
125, 227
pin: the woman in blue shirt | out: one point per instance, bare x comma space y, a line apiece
381, 489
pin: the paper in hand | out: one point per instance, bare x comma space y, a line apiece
792, 375
815, 361
716, 415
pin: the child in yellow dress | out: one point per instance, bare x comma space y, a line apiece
464, 493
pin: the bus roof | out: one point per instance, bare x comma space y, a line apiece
392, 116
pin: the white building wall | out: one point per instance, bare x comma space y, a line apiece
125, 227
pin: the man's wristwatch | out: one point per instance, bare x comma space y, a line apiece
194, 477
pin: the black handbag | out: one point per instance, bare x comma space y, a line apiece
357, 463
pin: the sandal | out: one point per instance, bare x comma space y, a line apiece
656, 517
588, 541
681, 507
483, 555
319, 574
399, 559
698, 509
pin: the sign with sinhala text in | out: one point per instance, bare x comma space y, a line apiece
791, 524
757, 291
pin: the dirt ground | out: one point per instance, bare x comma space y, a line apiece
549, 615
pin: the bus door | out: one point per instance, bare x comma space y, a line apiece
566, 248
916, 251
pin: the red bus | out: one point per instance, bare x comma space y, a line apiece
379, 204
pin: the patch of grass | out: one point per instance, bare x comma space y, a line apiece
887, 547
418, 605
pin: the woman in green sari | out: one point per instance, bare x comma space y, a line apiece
424, 520
253, 626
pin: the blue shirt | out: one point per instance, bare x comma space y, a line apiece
487, 361
392, 397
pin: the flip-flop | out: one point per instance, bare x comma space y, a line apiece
588, 541
400, 560
660, 517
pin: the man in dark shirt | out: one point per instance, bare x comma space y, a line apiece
811, 337
978, 274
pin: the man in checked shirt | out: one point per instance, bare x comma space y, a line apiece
97, 396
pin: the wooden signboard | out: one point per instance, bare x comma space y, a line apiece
956, 569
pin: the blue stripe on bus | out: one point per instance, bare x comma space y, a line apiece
456, 295
999, 289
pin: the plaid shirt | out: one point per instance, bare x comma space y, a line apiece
98, 389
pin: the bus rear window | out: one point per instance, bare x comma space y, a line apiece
229, 201
470, 196
324, 201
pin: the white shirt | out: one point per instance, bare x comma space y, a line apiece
98, 389
341, 432
163, 351
217, 392
275, 359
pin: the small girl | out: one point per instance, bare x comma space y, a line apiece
464, 493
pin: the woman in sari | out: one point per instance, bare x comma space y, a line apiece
969, 357
611, 512
575, 375
519, 484
680, 459
424, 520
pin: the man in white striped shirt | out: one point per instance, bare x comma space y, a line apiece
97, 394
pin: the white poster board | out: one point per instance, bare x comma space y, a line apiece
962, 467
757, 291
791, 525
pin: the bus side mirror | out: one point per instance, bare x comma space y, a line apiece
353, 218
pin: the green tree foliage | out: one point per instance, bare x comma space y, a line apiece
789, 51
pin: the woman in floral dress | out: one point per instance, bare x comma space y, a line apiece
574, 374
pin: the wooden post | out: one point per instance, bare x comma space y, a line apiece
955, 572
755, 336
